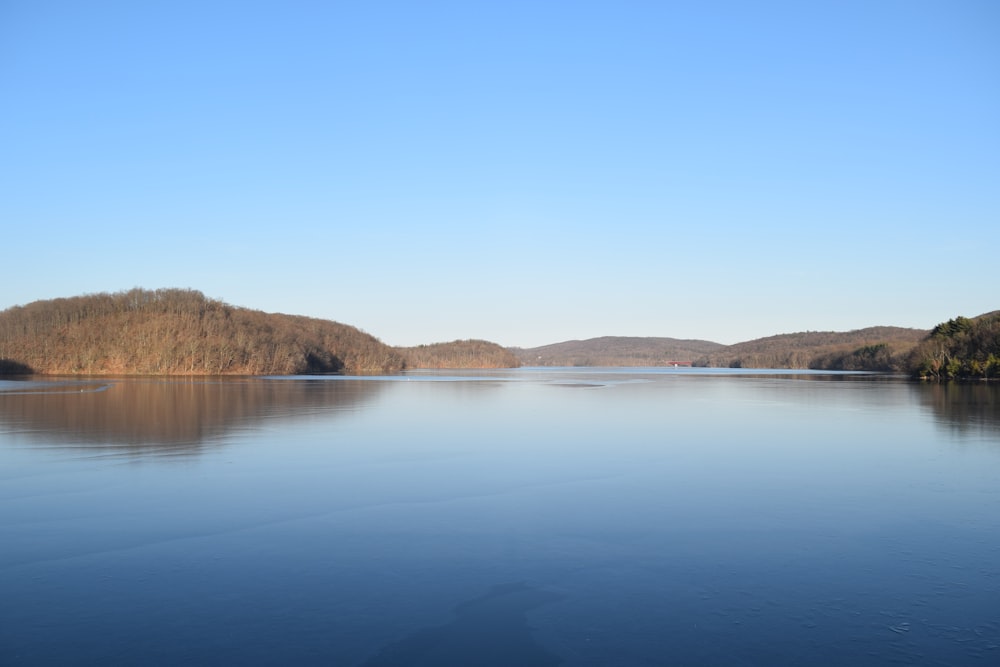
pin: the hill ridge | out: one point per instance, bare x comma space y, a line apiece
174, 331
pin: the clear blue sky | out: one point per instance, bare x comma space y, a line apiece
524, 172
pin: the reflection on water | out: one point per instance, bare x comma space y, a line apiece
163, 415
966, 408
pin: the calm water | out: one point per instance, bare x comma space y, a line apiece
531, 517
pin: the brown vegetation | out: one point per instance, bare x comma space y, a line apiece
459, 354
874, 348
616, 351
179, 332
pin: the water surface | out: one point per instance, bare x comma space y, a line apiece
538, 516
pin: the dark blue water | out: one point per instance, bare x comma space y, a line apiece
531, 517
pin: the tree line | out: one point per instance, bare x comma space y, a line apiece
182, 332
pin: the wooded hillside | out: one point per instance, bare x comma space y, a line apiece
873, 348
179, 331
459, 354
959, 348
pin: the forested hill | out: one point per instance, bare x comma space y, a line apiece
177, 331
873, 348
459, 354
616, 351
182, 332
959, 348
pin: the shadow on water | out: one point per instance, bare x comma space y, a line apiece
163, 416
490, 630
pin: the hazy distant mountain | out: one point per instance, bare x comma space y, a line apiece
616, 351
874, 348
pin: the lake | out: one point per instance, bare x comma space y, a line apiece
522, 517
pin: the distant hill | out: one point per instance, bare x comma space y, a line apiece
178, 331
616, 351
873, 348
459, 354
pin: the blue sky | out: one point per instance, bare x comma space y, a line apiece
524, 172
